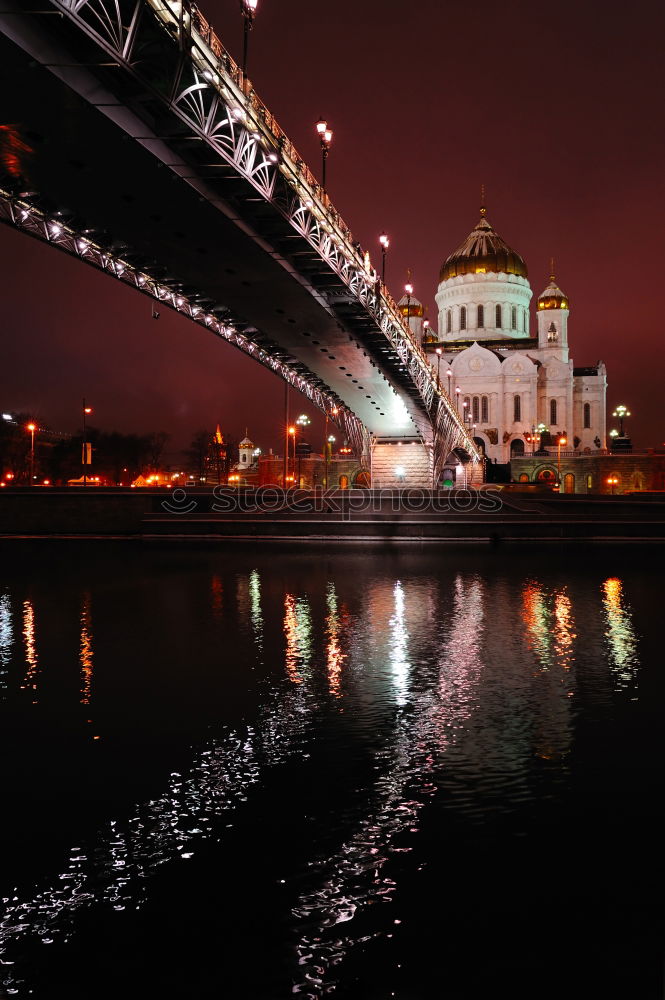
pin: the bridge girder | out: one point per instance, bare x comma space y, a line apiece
221, 132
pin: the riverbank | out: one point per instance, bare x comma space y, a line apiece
361, 516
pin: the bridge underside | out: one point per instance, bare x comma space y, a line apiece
198, 233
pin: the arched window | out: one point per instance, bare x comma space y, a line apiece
497, 312
449, 321
589, 482
476, 409
462, 318
484, 410
569, 483
553, 411
587, 414
516, 447
514, 317
523, 478
517, 408
481, 317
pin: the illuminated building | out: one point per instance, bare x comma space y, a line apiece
510, 380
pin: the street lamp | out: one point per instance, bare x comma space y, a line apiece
449, 373
291, 436
408, 288
325, 138
621, 412
84, 456
562, 440
457, 392
330, 440
385, 243
248, 10
612, 481
302, 421
334, 411
438, 353
32, 428
539, 431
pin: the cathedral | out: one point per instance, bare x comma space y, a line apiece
516, 391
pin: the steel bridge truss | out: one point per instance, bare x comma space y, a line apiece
34, 222
173, 52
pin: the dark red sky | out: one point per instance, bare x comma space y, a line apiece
556, 108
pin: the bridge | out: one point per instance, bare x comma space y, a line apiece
135, 143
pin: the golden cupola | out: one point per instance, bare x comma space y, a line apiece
553, 297
483, 252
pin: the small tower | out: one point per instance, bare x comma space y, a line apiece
413, 312
553, 311
246, 452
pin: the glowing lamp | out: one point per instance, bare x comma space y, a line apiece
408, 288
31, 427
322, 126
384, 241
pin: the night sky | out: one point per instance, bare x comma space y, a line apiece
556, 108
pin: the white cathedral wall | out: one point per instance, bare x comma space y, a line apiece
488, 290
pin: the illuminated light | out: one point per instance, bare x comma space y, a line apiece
481, 270
56, 228
408, 288
272, 157
179, 301
322, 126
400, 471
6, 416
327, 136
47, 482
87, 409
292, 430
384, 241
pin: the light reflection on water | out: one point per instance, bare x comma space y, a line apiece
32, 662
620, 634
468, 678
6, 639
86, 652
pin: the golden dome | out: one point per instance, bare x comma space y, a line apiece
483, 250
553, 297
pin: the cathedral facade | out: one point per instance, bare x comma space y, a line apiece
517, 391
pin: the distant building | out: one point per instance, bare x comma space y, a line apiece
510, 382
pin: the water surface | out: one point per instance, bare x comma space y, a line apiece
428, 773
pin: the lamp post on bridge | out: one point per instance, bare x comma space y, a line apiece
385, 243
325, 138
248, 10
449, 373
408, 288
457, 392
438, 353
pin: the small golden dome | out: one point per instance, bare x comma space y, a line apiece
483, 251
553, 297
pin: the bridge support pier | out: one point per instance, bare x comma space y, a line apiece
400, 463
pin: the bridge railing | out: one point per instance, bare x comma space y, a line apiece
206, 47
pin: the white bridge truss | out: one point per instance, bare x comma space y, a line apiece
206, 90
